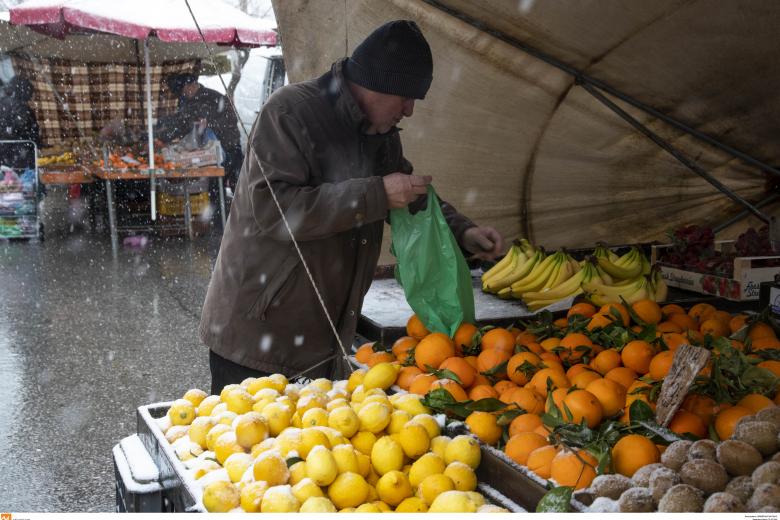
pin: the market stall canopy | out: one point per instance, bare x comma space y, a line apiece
513, 141
167, 24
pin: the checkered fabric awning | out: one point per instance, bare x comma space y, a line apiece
73, 101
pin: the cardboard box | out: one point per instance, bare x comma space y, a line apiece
749, 272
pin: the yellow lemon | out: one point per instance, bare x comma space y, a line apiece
278, 416
382, 506
345, 420
414, 440
355, 379
429, 423
358, 394
225, 446
386, 455
364, 464
236, 465
348, 490
477, 498
305, 489
181, 412
289, 440
411, 404
296, 420
452, 502
393, 487
398, 420
195, 396
279, 381
226, 390
226, 417
322, 384
314, 417
317, 505
463, 448
208, 404
334, 436
175, 433
199, 428
214, 433
246, 382
239, 401
252, 495
374, 417
251, 428
462, 475
262, 447
439, 445
339, 402
412, 505
321, 466
261, 383
368, 508
188, 450
297, 472
428, 464
310, 438
434, 485
279, 499
345, 457
271, 468
363, 442
218, 409
220, 497
381, 375
312, 400
490, 508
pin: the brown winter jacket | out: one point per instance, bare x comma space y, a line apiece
260, 310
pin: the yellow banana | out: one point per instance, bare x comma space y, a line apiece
501, 267
534, 283
520, 270
629, 270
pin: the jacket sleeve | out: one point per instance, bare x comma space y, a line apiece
313, 211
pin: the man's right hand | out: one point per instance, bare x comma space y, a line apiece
402, 189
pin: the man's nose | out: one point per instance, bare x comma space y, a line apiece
408, 107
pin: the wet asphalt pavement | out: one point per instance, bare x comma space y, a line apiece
86, 336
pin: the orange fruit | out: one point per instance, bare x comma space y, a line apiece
576, 469
578, 369
608, 310
599, 321
648, 311
557, 379
673, 340
364, 352
526, 422
482, 392
765, 344
524, 398
421, 384
611, 395
737, 322
543, 431
760, 329
637, 355
726, 420
699, 310
622, 375
406, 375
503, 386
454, 389
583, 309
490, 359
525, 338
498, 339
755, 402
575, 345
672, 308
519, 447
484, 426
464, 337
635, 391
480, 380
660, 364
582, 405
701, 405
771, 365
582, 379
380, 357
540, 460
550, 343
606, 361
688, 422
402, 346
557, 396
415, 328
536, 348
714, 328
472, 360
432, 350
684, 321
723, 316
632, 452
521, 367
461, 368
561, 323
667, 326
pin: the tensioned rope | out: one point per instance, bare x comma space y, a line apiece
281, 214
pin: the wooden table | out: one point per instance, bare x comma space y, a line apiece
65, 175
110, 176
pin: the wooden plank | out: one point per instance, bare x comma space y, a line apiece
80, 176
135, 175
688, 361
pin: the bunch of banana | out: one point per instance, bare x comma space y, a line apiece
518, 262
67, 158
551, 271
626, 267
571, 287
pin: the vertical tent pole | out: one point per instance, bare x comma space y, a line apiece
149, 128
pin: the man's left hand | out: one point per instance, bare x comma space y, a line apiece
483, 242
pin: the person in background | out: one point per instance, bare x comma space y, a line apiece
331, 150
18, 122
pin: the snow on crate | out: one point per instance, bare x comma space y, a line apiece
496, 497
141, 465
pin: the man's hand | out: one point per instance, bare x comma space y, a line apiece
483, 242
402, 189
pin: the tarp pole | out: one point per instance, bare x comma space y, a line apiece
674, 152
586, 79
742, 214
150, 128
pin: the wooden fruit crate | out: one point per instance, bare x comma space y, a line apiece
749, 273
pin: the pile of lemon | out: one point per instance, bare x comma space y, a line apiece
266, 445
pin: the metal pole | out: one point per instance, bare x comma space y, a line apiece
111, 214
736, 218
150, 128
674, 152
586, 79
222, 201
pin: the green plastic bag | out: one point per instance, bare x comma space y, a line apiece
431, 268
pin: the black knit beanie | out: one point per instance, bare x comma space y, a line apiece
394, 59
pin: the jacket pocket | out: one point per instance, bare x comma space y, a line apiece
275, 287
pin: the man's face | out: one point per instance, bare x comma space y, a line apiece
384, 111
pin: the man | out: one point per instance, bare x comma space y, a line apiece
18, 122
331, 151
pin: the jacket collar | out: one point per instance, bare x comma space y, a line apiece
344, 102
